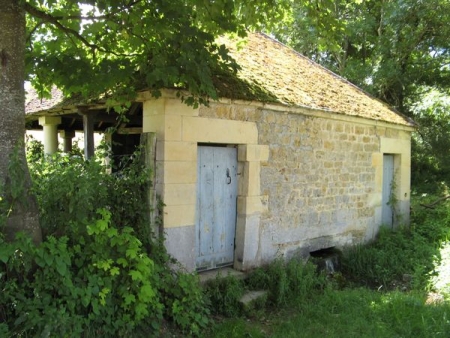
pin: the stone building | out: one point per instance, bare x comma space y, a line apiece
292, 159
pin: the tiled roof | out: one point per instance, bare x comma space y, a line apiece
57, 102
295, 80
273, 72
33, 103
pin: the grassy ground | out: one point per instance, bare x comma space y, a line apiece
412, 301
348, 313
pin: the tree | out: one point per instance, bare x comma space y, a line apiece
14, 176
108, 46
397, 50
391, 48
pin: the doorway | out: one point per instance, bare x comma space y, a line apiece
215, 227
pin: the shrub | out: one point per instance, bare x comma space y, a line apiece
99, 270
406, 252
104, 284
70, 190
224, 294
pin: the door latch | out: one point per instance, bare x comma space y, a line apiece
228, 176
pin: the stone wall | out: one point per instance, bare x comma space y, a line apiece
307, 179
322, 181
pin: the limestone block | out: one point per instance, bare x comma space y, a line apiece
253, 152
248, 205
176, 151
223, 112
197, 129
247, 241
338, 127
394, 146
177, 107
359, 130
153, 106
153, 124
179, 215
172, 128
178, 172
178, 193
67, 134
377, 159
405, 183
250, 179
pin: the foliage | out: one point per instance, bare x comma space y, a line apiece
185, 302
224, 294
288, 282
396, 50
405, 257
96, 47
103, 284
393, 200
34, 149
389, 48
364, 313
98, 271
430, 144
78, 188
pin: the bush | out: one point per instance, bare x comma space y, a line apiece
104, 284
404, 257
70, 190
99, 270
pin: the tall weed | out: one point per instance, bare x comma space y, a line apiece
288, 282
404, 257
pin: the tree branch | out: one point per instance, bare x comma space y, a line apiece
48, 18
89, 17
431, 206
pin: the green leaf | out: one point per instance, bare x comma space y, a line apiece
122, 261
6, 251
135, 275
114, 271
146, 293
61, 266
129, 298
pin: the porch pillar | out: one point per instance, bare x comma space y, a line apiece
50, 125
88, 128
67, 136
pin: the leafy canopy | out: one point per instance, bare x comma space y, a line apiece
91, 47
390, 48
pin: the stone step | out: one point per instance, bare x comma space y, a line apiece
253, 300
209, 275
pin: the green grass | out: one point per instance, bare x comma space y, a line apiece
382, 291
347, 313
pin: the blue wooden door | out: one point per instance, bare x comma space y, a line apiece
387, 217
216, 206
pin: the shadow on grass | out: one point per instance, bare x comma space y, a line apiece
383, 291
347, 313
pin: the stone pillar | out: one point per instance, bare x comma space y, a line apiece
176, 175
250, 205
88, 128
67, 136
50, 125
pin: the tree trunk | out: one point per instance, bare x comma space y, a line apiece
24, 212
